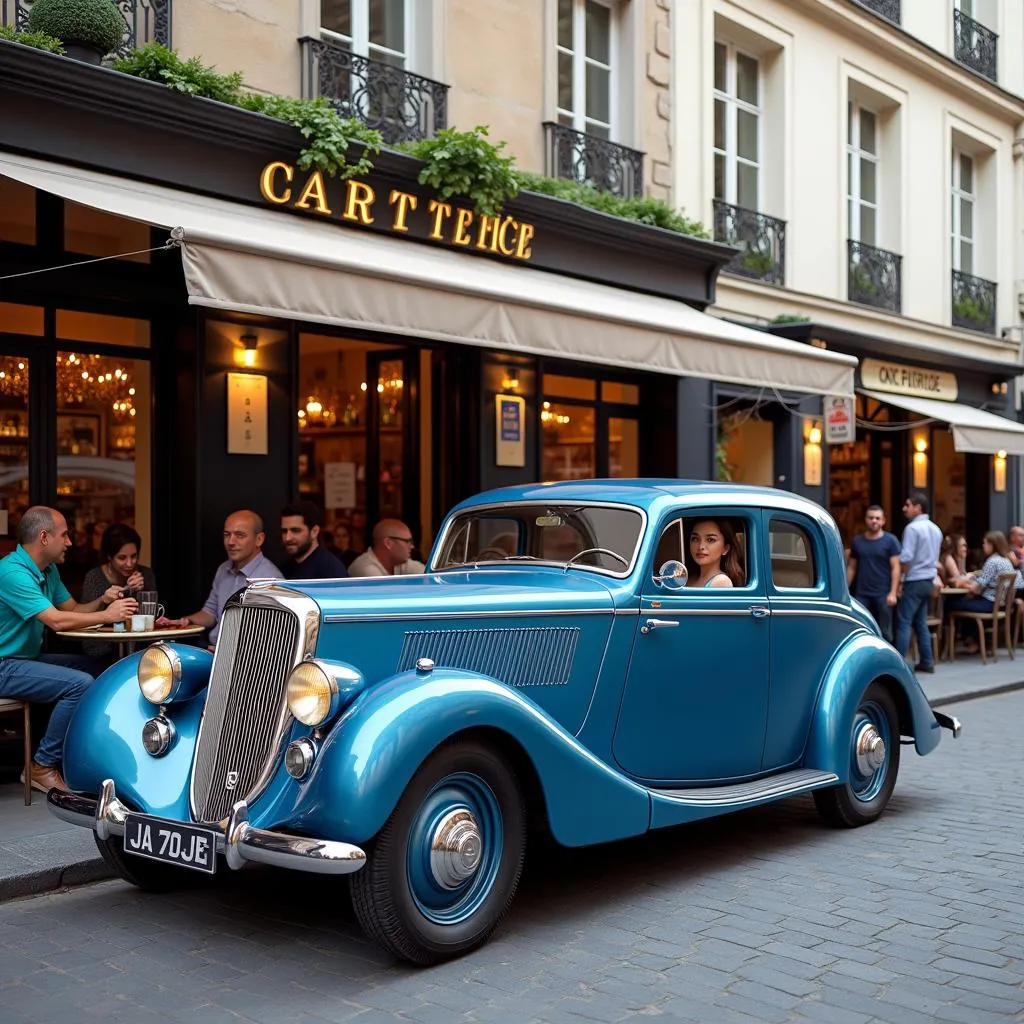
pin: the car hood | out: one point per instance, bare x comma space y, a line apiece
484, 591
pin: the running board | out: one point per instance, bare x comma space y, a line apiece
775, 787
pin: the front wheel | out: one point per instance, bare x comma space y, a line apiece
444, 868
874, 743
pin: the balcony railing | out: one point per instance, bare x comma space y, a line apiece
974, 303
975, 46
763, 239
874, 276
888, 9
402, 106
145, 21
589, 160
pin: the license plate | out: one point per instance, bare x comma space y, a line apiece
170, 842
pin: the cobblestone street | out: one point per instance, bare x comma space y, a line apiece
765, 916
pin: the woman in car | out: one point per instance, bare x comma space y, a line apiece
715, 558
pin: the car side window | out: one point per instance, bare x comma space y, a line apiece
708, 544
792, 554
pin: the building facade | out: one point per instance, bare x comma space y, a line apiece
866, 157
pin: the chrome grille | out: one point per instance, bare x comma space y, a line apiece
245, 704
518, 657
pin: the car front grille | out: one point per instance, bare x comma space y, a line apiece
245, 707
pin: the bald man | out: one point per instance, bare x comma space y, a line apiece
243, 541
390, 554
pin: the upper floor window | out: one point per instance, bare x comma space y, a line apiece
963, 203
862, 152
378, 29
737, 127
586, 66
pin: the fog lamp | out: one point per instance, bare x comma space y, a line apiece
158, 735
298, 758
159, 673
312, 693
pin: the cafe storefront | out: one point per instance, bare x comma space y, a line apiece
269, 332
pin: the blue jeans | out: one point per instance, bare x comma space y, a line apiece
913, 611
44, 680
880, 612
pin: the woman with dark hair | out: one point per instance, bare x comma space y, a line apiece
714, 558
982, 585
952, 559
119, 548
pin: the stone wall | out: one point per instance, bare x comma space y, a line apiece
657, 100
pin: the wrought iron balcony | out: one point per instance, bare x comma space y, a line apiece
974, 303
145, 21
763, 239
975, 46
888, 9
589, 160
874, 276
402, 106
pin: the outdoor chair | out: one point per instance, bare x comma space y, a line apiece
1002, 612
1018, 620
8, 706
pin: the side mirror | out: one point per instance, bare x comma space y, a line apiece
672, 575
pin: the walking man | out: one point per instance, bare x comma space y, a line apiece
874, 569
919, 556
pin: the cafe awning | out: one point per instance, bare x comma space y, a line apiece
267, 261
974, 430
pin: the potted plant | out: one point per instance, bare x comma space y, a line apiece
89, 29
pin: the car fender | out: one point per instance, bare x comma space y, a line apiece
863, 659
368, 759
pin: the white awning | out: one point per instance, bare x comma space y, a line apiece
270, 262
974, 430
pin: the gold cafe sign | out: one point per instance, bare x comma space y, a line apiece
358, 203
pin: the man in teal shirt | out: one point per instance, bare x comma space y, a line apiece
32, 597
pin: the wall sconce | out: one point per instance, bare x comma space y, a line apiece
920, 462
812, 457
510, 382
249, 343
999, 471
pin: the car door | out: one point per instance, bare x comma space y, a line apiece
695, 700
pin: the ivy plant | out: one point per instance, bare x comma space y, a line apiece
790, 318
467, 164
37, 40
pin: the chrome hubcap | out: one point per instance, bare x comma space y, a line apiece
455, 849
870, 749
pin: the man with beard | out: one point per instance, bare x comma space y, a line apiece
308, 559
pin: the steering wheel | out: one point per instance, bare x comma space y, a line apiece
597, 551
490, 551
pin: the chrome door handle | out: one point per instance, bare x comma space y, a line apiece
759, 611
652, 624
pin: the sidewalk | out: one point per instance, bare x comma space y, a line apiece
39, 853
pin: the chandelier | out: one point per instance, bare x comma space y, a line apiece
329, 407
81, 380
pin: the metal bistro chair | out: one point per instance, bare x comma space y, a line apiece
1002, 612
10, 706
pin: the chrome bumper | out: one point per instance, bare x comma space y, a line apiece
238, 841
950, 722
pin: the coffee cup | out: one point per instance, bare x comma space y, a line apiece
119, 626
150, 622
138, 623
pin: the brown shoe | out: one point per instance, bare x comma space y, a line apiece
45, 777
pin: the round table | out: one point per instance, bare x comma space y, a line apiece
126, 640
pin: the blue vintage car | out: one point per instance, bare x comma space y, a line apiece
591, 659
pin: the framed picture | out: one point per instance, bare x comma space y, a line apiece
80, 433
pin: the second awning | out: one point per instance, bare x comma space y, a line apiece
974, 430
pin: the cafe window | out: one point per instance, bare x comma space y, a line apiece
18, 319
744, 450
14, 444
94, 232
17, 212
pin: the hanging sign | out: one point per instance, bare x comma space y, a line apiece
247, 414
840, 419
900, 379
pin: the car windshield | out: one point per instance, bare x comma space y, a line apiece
599, 537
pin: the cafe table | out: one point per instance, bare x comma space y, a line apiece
127, 640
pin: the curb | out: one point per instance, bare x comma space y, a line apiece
40, 880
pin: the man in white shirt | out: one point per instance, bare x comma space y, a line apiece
390, 554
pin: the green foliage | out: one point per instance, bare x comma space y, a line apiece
37, 40
757, 262
789, 318
861, 285
157, 63
467, 164
644, 209
96, 23
977, 312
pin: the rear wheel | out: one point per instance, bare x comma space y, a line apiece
139, 871
444, 868
874, 745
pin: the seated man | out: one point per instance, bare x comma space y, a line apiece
32, 596
243, 542
390, 553
308, 559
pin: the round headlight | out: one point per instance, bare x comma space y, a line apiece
157, 735
298, 758
311, 693
159, 673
